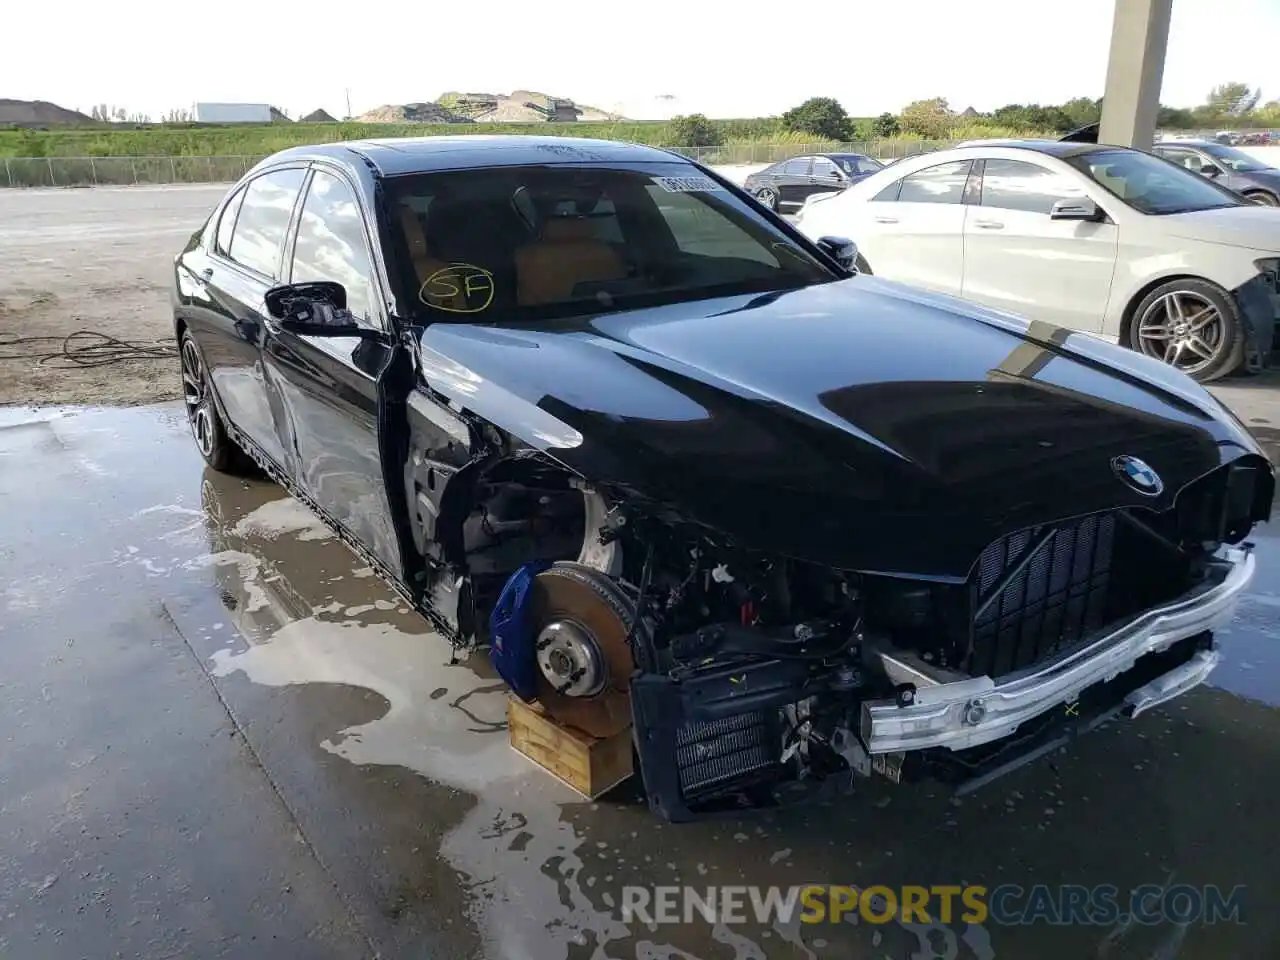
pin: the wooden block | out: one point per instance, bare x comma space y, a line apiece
590, 765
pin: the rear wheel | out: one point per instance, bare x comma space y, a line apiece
217, 448
1192, 325
1264, 198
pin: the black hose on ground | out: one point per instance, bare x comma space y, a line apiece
88, 348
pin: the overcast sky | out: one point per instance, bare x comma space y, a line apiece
643, 60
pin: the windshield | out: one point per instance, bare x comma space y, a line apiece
1152, 185
855, 164
1237, 160
522, 243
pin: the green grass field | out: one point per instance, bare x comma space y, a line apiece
259, 140
192, 153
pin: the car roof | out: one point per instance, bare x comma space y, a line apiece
1186, 142
398, 156
1054, 148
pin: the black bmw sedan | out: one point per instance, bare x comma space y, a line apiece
692, 481
784, 186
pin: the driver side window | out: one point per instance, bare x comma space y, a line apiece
331, 243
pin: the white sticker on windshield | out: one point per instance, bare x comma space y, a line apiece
688, 184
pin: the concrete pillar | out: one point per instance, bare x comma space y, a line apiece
1139, 36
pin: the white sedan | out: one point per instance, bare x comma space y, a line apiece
1102, 239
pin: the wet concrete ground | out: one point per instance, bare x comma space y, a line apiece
223, 738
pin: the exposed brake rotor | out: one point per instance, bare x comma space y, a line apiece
584, 662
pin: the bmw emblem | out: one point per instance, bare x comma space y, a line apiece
1137, 475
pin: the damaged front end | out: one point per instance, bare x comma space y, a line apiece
748, 672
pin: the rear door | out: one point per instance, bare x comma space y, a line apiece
241, 263
793, 182
825, 177
916, 233
329, 385
1017, 258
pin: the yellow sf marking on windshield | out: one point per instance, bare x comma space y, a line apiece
458, 288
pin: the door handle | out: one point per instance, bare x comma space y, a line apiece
886, 219
989, 224
207, 272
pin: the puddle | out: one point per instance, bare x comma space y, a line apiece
278, 517
447, 722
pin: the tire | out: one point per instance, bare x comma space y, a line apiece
207, 429
767, 197
862, 266
1192, 325
1263, 197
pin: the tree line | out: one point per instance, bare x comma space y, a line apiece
1231, 105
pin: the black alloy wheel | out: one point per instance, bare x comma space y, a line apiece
215, 446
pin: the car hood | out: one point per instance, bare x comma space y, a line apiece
860, 424
1253, 226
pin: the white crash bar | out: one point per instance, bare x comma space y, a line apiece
971, 712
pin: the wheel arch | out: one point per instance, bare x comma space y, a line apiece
1250, 192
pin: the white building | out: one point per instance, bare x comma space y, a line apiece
233, 113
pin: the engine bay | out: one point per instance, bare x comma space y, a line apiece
740, 672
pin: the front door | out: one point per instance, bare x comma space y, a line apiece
241, 263
1018, 259
329, 386
916, 234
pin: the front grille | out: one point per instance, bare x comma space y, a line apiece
717, 753
1052, 603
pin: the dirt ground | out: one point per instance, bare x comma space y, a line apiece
97, 261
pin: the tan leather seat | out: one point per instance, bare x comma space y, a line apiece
567, 255
425, 266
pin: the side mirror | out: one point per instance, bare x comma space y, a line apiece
1077, 209
840, 249
835, 175
1209, 170
315, 309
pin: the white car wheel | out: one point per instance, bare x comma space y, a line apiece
1191, 325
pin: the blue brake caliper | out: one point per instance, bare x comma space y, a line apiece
511, 632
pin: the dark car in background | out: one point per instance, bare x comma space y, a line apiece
1228, 166
786, 185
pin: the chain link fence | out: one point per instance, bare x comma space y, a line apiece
110, 171
105, 171
113, 171
745, 153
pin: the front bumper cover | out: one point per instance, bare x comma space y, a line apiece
975, 711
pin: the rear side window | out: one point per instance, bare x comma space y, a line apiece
1183, 158
889, 194
1015, 185
227, 223
331, 242
796, 168
264, 220
941, 184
